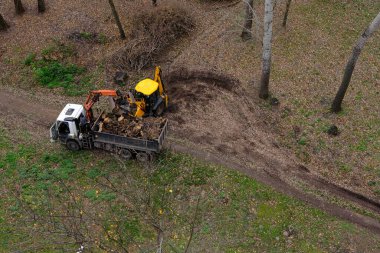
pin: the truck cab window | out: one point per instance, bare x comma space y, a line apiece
63, 128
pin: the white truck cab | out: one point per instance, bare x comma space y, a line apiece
66, 128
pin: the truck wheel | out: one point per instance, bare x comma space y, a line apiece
142, 157
126, 154
72, 145
160, 110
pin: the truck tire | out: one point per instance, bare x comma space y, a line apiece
72, 145
125, 154
142, 157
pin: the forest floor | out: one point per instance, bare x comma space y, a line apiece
285, 146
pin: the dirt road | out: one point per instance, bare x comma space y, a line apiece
208, 127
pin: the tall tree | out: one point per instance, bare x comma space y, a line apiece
337, 103
267, 50
286, 13
3, 24
246, 33
117, 19
41, 6
19, 7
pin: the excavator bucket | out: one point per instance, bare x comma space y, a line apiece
139, 112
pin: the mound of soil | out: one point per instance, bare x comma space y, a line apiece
185, 75
207, 109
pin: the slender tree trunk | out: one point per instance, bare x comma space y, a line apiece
337, 103
117, 19
286, 13
247, 33
3, 24
267, 50
19, 7
41, 6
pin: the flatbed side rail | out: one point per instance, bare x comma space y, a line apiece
127, 142
163, 134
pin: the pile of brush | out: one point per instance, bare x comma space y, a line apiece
153, 31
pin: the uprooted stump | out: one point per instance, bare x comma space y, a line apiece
144, 128
153, 31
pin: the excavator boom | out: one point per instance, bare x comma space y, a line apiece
157, 78
93, 97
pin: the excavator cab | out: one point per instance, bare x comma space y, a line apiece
150, 96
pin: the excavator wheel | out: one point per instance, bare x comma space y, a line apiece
160, 110
72, 145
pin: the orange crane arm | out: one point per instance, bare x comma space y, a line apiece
93, 97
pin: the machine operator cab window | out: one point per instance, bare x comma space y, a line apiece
147, 90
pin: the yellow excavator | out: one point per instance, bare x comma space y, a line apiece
149, 96
147, 99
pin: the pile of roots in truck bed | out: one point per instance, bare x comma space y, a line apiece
144, 128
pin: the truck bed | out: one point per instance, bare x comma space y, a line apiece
132, 143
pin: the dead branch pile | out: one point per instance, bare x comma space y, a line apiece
145, 128
153, 31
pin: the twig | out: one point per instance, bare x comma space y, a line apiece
193, 225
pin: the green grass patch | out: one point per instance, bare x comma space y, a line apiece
52, 69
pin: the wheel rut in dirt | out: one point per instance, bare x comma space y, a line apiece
212, 114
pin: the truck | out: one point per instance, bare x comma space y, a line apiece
77, 128
74, 131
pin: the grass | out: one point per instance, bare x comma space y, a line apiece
114, 205
53, 69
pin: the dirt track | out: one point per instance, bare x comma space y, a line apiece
226, 130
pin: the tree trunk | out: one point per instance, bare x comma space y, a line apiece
19, 7
267, 50
286, 13
337, 103
117, 19
3, 24
247, 34
41, 6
